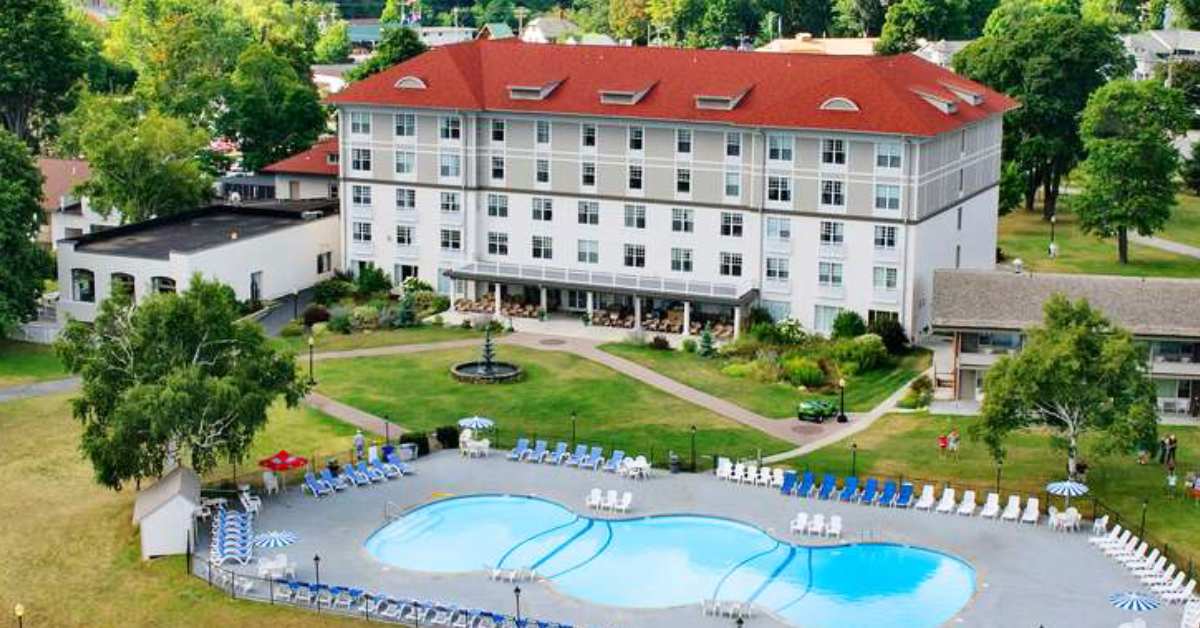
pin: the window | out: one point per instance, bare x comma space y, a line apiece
543, 209
404, 271
589, 213
404, 235
829, 274
777, 269
832, 233
542, 131
635, 177
779, 147
779, 189
543, 247
360, 123
683, 181
405, 161
733, 184
450, 202
587, 136
497, 243
823, 317
731, 224
833, 152
887, 196
543, 171
450, 128
449, 165
881, 315
635, 255
587, 174
636, 137
497, 205
83, 285
733, 144
731, 264
589, 252
361, 232
497, 168
360, 195
682, 220
833, 193
499, 127
683, 141
779, 228
162, 285
681, 260
887, 155
406, 198
451, 240
360, 159
885, 237
324, 262
885, 278
959, 212
635, 216
405, 125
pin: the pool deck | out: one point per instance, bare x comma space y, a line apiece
1026, 576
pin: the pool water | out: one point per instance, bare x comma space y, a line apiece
673, 560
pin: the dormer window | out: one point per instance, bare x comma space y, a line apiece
968, 96
533, 92
718, 102
839, 103
945, 105
331, 158
624, 96
410, 82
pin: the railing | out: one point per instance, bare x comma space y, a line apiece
598, 279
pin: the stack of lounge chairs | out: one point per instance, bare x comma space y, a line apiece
1156, 573
751, 474
599, 500
232, 537
362, 474
817, 525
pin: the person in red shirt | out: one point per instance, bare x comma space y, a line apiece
943, 442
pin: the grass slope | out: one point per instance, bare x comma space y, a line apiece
1184, 226
24, 363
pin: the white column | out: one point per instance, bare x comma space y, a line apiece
544, 307
687, 318
637, 312
497, 304
737, 320
590, 304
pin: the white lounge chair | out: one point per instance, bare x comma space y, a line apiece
968, 505
749, 474
800, 523
1145, 563
1031, 511
835, 526
1137, 553
777, 478
991, 507
724, 469
764, 477
610, 500
1180, 596
1160, 578
1107, 537
947, 504
1100, 526
595, 499
626, 500
927, 500
1157, 568
736, 474
1012, 509
1120, 550
817, 525
1173, 585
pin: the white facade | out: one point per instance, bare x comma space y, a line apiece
73, 219
163, 513
301, 186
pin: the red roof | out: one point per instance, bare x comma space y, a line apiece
313, 161
788, 89
60, 176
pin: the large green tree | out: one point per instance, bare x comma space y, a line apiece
1077, 373
397, 44
21, 260
908, 20
175, 376
858, 18
269, 110
1050, 62
1129, 174
40, 60
1183, 75
334, 44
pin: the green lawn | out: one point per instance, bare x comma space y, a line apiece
71, 555
332, 341
906, 444
778, 400
417, 392
1025, 235
1184, 226
23, 363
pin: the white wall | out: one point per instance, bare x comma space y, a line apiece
86, 222
310, 186
165, 532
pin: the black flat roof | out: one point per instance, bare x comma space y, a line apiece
202, 228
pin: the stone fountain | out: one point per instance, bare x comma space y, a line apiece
486, 370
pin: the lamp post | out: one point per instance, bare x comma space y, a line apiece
739, 622
841, 418
317, 568
1142, 529
853, 459
999, 465
520, 13
574, 418
19, 612
1053, 248
517, 594
312, 380
693, 449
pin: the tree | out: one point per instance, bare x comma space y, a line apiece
708, 347
177, 376
334, 44
21, 259
40, 59
271, 112
1050, 62
102, 74
1122, 16
397, 44
627, 19
143, 165
392, 14
722, 23
1129, 174
908, 20
591, 15
493, 11
858, 18
1190, 172
1183, 75
291, 28
1076, 373
1009, 15
799, 16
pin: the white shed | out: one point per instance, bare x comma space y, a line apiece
164, 513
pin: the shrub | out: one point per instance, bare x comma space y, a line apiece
447, 435
371, 280
739, 369
707, 348
765, 332
848, 324
860, 354
744, 347
465, 324
292, 329
766, 369
661, 343
922, 384
760, 316
420, 438
892, 333
437, 321
414, 284
364, 317
314, 314
801, 371
689, 345
339, 321
790, 331
331, 291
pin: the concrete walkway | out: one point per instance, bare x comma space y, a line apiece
1169, 246
349, 414
38, 389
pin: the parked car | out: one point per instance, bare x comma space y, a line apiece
815, 410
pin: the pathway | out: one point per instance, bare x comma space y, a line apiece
1169, 246
349, 414
38, 389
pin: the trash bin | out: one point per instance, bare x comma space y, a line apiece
388, 450
674, 463
408, 451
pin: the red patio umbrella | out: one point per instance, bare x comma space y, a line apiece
283, 461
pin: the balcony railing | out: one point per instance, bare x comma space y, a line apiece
601, 280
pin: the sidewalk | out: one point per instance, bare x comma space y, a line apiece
1169, 246
38, 389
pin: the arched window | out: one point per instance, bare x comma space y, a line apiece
839, 103
163, 285
123, 283
410, 82
83, 285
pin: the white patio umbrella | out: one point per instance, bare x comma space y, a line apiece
1067, 488
275, 538
477, 423
1133, 601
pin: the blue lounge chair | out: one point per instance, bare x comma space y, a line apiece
869, 492
578, 457
828, 485
889, 493
400, 465
358, 476
519, 450
850, 490
904, 500
350, 476
789, 483
558, 455
806, 485
315, 486
594, 459
388, 472
614, 463
337, 483
537, 454
375, 475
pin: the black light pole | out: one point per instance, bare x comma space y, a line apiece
517, 594
573, 419
1142, 531
387, 430
693, 449
853, 459
295, 305
19, 611
739, 622
842, 412
999, 465
317, 568
1053, 219
311, 379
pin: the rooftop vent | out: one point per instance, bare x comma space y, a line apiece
839, 103
410, 82
532, 92
311, 214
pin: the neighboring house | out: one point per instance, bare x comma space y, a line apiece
165, 512
330, 78
806, 43
309, 174
65, 214
495, 30
547, 29
261, 250
673, 180
589, 39
941, 52
75, 217
987, 314
1150, 48
366, 32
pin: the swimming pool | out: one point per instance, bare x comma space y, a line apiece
672, 560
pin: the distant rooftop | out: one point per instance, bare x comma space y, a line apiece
203, 228
319, 160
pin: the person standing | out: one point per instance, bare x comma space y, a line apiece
360, 445
1172, 444
1162, 450
952, 443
